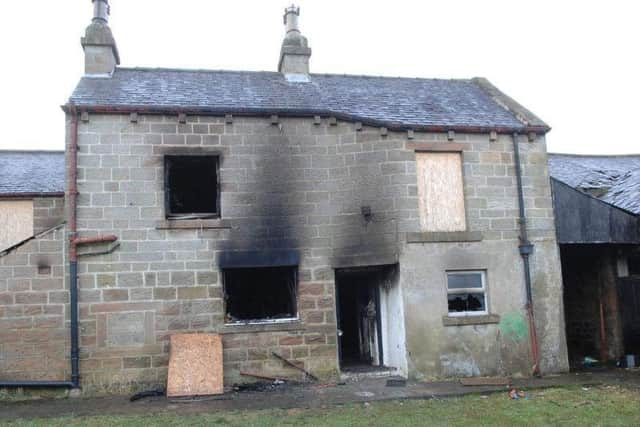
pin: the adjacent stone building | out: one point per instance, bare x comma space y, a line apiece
597, 207
342, 222
33, 336
31, 194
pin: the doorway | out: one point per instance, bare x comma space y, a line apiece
359, 313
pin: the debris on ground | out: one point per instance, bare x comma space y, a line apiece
260, 376
516, 394
147, 393
396, 382
261, 386
364, 394
325, 385
589, 362
293, 365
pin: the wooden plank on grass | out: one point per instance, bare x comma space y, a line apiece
474, 381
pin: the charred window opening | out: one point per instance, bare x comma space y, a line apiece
191, 187
466, 293
260, 294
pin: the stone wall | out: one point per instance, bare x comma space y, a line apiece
48, 212
439, 346
301, 184
34, 333
296, 184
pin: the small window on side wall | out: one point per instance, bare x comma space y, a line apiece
191, 187
467, 293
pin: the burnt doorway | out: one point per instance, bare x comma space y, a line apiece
359, 317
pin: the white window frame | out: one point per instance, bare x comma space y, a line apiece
483, 290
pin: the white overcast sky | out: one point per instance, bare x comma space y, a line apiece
573, 63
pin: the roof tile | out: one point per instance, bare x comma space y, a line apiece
31, 172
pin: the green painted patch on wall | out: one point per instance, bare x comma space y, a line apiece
513, 326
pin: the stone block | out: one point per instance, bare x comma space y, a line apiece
194, 292
164, 293
126, 329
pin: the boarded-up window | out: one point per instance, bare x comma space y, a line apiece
16, 222
440, 191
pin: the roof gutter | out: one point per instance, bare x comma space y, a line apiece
31, 195
301, 112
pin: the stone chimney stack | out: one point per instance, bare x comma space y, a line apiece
295, 52
100, 50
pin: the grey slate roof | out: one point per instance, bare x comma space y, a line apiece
613, 179
387, 101
28, 172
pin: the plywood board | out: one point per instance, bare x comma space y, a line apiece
476, 381
16, 222
440, 192
195, 365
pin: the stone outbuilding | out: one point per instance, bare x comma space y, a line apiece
346, 223
31, 194
597, 209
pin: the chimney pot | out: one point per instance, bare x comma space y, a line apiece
295, 52
291, 15
101, 10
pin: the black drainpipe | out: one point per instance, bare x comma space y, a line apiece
73, 277
526, 248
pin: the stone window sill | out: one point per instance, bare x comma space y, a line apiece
444, 236
484, 319
184, 224
242, 328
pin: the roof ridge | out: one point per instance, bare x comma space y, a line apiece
192, 70
465, 80
205, 70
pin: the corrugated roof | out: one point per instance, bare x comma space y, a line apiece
613, 179
405, 102
26, 172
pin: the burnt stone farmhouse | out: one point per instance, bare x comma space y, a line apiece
342, 222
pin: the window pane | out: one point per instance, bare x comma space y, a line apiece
466, 302
464, 280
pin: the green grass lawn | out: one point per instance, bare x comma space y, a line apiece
574, 406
